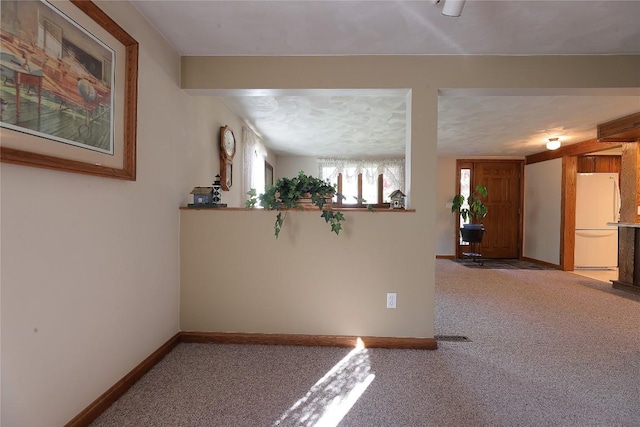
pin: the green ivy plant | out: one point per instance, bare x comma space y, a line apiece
252, 199
477, 209
363, 201
286, 192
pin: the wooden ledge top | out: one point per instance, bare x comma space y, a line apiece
624, 224
237, 209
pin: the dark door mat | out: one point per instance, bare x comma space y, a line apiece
452, 338
503, 264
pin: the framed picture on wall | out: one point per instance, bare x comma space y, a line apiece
268, 175
69, 88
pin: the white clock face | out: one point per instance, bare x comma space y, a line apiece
229, 143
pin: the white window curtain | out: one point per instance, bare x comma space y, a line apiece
391, 169
254, 154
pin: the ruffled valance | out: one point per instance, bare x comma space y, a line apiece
391, 169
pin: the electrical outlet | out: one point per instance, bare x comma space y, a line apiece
392, 298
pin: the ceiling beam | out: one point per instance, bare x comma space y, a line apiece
624, 129
577, 149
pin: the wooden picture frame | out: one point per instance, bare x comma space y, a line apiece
268, 175
75, 29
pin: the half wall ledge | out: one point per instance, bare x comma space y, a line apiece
343, 209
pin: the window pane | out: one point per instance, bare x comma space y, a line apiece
370, 185
390, 180
465, 190
350, 186
330, 174
370, 193
257, 174
391, 169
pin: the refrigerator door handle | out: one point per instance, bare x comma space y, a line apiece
596, 232
616, 200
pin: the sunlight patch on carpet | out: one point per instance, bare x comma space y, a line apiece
330, 399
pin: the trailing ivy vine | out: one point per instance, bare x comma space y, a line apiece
286, 193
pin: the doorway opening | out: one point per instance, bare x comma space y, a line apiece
503, 223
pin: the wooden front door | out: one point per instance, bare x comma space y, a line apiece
502, 223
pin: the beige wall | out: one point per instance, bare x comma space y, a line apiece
90, 266
199, 148
308, 281
289, 166
542, 211
409, 237
418, 73
446, 221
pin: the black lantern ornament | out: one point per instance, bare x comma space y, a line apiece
217, 191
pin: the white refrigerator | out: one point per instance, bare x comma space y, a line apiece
597, 203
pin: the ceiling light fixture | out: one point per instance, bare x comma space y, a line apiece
453, 7
553, 144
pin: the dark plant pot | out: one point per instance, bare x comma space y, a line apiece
472, 233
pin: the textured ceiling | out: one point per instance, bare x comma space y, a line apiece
370, 124
324, 125
321, 27
471, 124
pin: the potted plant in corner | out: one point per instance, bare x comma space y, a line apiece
300, 192
474, 210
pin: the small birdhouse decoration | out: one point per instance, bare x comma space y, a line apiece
397, 200
202, 195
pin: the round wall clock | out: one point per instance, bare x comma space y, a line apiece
228, 141
227, 151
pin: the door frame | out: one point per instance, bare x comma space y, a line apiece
468, 163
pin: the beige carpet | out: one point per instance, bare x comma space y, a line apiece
547, 349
